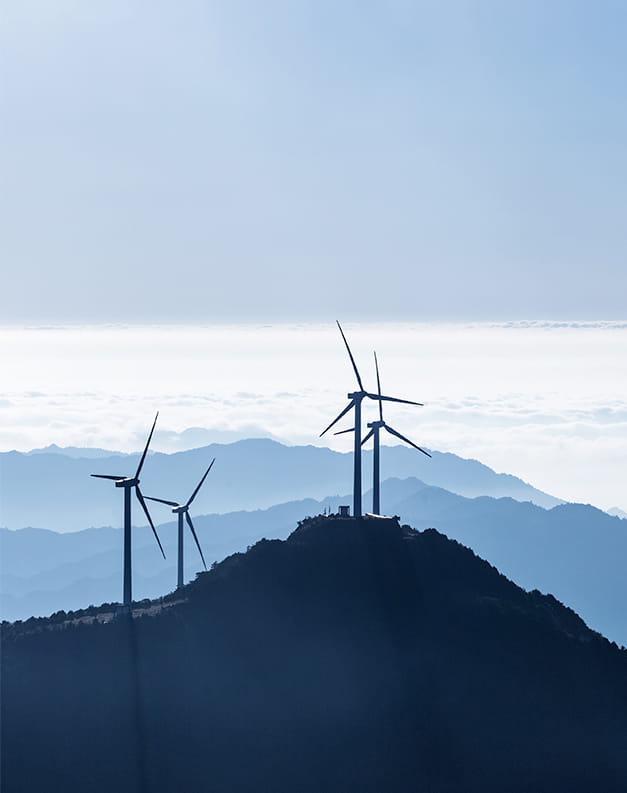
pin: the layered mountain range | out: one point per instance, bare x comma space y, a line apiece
573, 551
53, 489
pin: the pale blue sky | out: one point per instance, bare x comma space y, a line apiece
211, 161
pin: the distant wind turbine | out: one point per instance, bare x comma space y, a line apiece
128, 483
355, 402
375, 426
180, 510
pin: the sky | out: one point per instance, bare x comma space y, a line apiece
543, 400
193, 192
295, 161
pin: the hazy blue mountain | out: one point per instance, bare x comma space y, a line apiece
88, 452
42, 571
169, 441
617, 512
574, 551
31, 551
355, 657
55, 490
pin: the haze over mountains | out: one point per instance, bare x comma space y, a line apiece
355, 656
54, 490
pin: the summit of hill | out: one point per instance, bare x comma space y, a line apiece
357, 655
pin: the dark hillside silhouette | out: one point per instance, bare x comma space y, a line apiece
574, 551
350, 657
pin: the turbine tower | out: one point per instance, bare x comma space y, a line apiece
132, 483
356, 399
183, 510
375, 427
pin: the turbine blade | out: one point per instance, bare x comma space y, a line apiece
193, 495
191, 526
141, 462
376, 363
162, 501
394, 399
350, 355
335, 421
403, 438
140, 498
106, 476
368, 436
342, 432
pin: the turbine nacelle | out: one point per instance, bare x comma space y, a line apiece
181, 508
129, 481
376, 424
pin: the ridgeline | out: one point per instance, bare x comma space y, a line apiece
353, 656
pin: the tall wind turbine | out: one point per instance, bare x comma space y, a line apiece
180, 510
375, 427
129, 483
356, 399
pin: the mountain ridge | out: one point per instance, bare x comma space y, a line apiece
353, 656
248, 474
572, 551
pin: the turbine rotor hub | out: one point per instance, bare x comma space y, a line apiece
130, 481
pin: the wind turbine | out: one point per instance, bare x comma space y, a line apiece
129, 483
375, 427
356, 399
180, 510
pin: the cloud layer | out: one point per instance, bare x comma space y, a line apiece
545, 401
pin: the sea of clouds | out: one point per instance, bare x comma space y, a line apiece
546, 401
